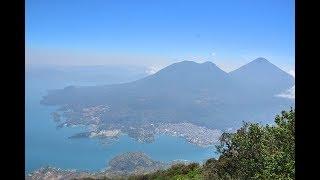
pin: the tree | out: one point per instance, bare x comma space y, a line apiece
259, 152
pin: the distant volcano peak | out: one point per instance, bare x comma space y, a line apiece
261, 59
209, 63
195, 63
259, 64
193, 67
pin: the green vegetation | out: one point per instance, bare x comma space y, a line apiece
253, 152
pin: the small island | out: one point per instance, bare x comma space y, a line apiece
130, 163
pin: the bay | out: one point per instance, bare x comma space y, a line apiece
48, 146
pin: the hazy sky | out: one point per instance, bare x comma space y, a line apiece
155, 33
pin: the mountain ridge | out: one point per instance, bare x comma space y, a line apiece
199, 93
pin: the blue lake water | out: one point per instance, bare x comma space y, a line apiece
46, 145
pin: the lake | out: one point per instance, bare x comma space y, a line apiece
47, 145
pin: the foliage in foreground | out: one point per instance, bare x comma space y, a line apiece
259, 152
253, 152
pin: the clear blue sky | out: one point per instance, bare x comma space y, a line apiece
227, 32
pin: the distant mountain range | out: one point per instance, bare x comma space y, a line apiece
198, 93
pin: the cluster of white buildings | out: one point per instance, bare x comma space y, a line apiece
201, 136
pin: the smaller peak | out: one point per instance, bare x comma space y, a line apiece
261, 59
187, 61
196, 63
209, 63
